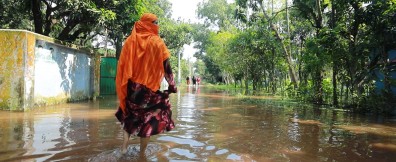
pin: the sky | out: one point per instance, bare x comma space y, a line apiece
186, 10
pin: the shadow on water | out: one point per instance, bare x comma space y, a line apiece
210, 126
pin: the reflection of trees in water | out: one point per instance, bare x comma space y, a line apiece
222, 124
64, 130
16, 133
312, 141
84, 130
310, 134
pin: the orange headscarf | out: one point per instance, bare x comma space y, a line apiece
141, 58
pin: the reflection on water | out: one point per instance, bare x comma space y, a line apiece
210, 126
132, 154
181, 141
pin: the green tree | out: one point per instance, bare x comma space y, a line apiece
313, 10
217, 13
259, 10
14, 14
68, 20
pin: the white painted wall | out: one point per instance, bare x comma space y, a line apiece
60, 72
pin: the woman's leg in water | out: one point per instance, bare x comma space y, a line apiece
143, 144
144, 140
124, 147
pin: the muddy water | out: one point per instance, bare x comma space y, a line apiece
210, 126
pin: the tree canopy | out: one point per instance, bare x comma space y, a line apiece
321, 51
332, 52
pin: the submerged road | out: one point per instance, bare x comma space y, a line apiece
211, 125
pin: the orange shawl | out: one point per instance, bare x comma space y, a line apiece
141, 59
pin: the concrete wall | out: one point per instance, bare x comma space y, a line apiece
36, 70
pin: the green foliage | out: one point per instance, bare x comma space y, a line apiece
14, 15
185, 70
217, 49
376, 103
217, 13
381, 20
80, 21
201, 69
202, 37
106, 52
334, 45
175, 34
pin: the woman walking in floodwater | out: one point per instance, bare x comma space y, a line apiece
144, 61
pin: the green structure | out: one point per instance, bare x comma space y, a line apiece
108, 71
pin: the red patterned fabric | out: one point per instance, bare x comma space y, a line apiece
141, 102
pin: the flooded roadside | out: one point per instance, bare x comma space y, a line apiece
210, 126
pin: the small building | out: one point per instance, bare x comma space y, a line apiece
37, 70
380, 76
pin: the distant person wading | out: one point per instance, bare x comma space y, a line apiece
188, 80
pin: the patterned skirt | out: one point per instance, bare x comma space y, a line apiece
141, 102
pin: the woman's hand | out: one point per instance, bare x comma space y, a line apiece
172, 89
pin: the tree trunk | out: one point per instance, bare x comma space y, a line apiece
288, 30
272, 72
38, 22
342, 93
347, 91
318, 72
64, 35
286, 54
335, 96
335, 69
318, 86
118, 45
246, 77
48, 21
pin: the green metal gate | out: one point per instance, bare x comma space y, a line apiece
108, 71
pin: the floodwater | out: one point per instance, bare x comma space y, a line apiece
210, 126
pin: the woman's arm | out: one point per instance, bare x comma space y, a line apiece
169, 77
